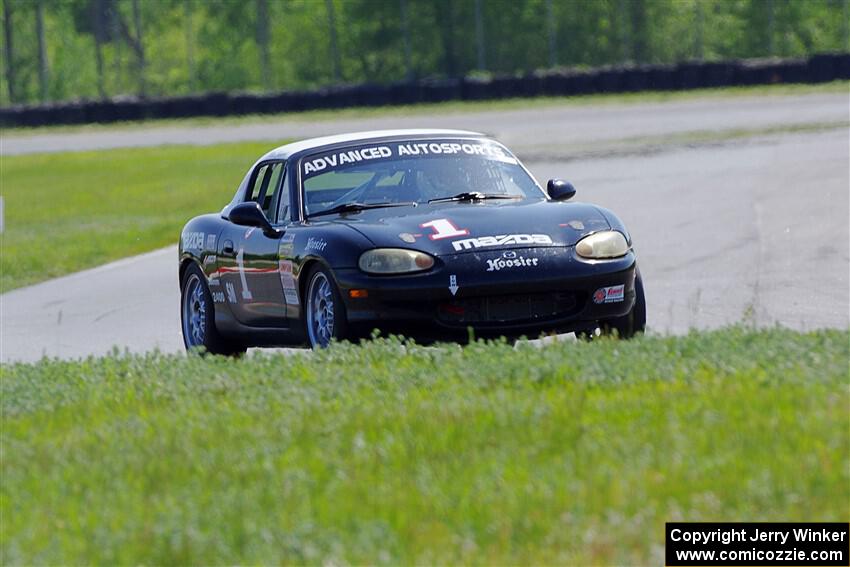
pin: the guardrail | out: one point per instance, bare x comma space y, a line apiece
681, 76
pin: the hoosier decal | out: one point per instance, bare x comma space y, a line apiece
511, 262
317, 244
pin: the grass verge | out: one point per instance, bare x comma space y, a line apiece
573, 453
453, 107
76, 210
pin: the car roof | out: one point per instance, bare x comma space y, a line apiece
285, 151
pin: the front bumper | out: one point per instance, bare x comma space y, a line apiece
505, 292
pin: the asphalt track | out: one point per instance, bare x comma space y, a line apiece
738, 206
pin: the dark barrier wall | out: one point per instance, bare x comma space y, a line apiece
691, 75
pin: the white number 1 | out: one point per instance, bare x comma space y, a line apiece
443, 228
240, 257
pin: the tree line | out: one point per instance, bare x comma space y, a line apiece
70, 49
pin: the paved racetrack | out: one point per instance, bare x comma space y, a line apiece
738, 208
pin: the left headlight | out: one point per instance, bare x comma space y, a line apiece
394, 261
605, 244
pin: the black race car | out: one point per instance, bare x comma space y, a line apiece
424, 233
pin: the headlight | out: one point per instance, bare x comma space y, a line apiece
394, 261
606, 244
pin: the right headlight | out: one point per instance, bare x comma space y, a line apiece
394, 261
605, 244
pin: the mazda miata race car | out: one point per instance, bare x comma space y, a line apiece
423, 233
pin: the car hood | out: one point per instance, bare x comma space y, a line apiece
471, 227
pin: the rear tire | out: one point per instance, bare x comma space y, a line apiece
324, 312
197, 317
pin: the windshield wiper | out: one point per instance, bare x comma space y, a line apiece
474, 196
354, 207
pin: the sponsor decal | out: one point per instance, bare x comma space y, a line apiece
315, 165
218, 296
193, 241
231, 292
510, 260
286, 245
211, 242
291, 296
611, 294
574, 224
287, 280
443, 228
317, 244
349, 156
502, 240
432, 148
210, 259
409, 238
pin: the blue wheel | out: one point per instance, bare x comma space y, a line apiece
324, 312
197, 317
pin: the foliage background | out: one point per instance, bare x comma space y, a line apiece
173, 47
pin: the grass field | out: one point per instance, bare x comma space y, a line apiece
573, 453
66, 212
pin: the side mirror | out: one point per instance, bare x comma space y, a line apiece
560, 190
250, 214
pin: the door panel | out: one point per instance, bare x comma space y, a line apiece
249, 265
261, 300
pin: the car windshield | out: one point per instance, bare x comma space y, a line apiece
412, 172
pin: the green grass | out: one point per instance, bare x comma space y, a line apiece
71, 211
457, 107
574, 453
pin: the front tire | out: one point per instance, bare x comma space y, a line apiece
324, 311
626, 327
634, 322
197, 317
